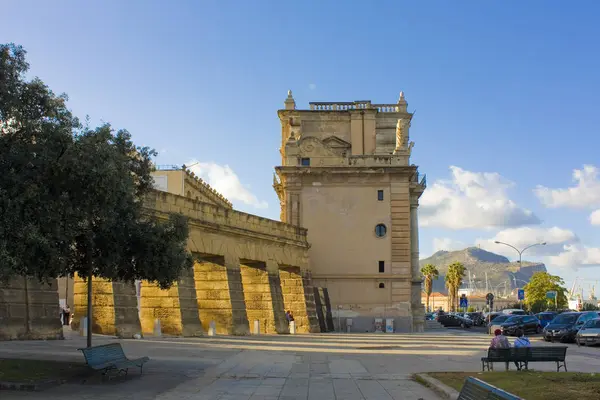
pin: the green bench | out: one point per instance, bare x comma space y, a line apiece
524, 355
110, 357
474, 389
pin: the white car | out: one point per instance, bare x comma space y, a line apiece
589, 333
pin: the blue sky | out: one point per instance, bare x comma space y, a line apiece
505, 94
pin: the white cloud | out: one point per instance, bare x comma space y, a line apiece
225, 181
472, 200
575, 256
447, 244
555, 238
595, 217
585, 193
312, 86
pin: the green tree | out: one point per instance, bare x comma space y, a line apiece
430, 272
535, 292
72, 198
454, 278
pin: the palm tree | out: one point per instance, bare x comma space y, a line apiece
454, 278
430, 272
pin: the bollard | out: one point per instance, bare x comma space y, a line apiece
256, 327
83, 326
212, 328
157, 328
292, 327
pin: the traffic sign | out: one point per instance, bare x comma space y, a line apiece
464, 302
551, 294
489, 297
521, 294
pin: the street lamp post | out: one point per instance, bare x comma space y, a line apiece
520, 256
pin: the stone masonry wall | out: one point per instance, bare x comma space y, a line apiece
257, 295
20, 299
294, 298
114, 309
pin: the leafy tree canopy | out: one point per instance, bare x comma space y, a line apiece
535, 292
71, 197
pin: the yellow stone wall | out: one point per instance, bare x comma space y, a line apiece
102, 301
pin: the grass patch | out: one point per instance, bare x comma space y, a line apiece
532, 385
31, 371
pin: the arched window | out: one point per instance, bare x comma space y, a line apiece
381, 285
380, 230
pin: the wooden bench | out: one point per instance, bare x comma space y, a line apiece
524, 355
110, 357
474, 389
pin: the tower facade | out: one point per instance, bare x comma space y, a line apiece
346, 176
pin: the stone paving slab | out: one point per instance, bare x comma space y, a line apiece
321, 367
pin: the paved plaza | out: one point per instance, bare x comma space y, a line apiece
317, 366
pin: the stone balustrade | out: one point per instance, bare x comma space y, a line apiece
377, 160
355, 105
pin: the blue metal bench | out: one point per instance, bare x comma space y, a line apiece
110, 357
474, 389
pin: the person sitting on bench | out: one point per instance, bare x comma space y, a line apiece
499, 341
521, 341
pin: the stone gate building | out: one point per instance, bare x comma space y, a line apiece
346, 176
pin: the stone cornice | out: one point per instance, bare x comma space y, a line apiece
300, 170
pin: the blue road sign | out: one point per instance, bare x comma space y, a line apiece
521, 294
551, 294
464, 303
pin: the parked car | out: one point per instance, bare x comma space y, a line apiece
514, 311
497, 322
545, 317
454, 320
477, 318
526, 323
589, 334
562, 327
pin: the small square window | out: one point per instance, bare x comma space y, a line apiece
380, 195
381, 266
305, 162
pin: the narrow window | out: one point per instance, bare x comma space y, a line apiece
381, 266
305, 162
380, 195
381, 285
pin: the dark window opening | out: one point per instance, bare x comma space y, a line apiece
305, 162
381, 285
381, 266
380, 195
380, 230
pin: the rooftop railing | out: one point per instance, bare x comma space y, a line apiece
355, 105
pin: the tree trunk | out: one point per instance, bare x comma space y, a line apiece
27, 311
427, 300
90, 266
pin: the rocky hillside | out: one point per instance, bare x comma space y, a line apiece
501, 273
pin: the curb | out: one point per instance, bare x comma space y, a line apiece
443, 390
31, 386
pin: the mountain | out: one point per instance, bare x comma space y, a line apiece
502, 275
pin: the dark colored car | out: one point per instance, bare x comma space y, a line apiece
476, 317
562, 327
454, 320
526, 323
545, 317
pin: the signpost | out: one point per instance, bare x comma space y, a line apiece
489, 298
464, 302
553, 295
521, 296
